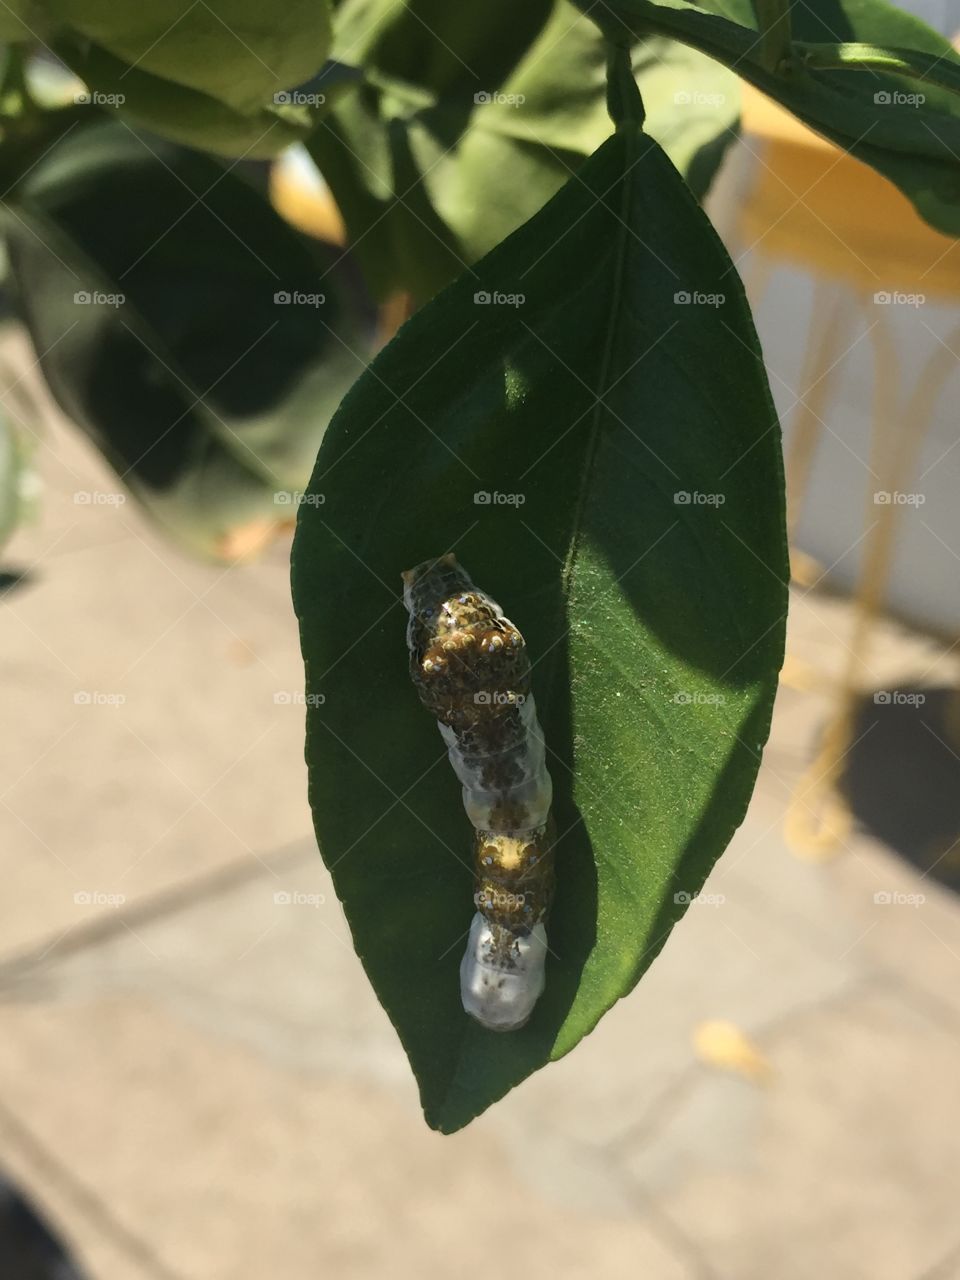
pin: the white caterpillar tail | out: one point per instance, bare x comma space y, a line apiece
470, 667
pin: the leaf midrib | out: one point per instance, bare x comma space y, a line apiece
566, 577
576, 529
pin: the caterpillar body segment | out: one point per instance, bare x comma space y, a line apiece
471, 669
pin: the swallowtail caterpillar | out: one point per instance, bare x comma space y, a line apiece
471, 669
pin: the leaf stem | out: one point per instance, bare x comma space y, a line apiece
773, 23
934, 69
624, 102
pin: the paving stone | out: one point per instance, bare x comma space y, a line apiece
160, 727
849, 1164
236, 1169
268, 964
732, 960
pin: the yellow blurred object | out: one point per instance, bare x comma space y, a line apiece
305, 202
302, 198
246, 542
819, 207
802, 676
816, 207
804, 570
818, 821
724, 1045
394, 311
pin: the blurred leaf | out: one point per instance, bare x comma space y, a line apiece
206, 395
14, 473
184, 115
19, 21
643, 557
915, 146
203, 76
437, 158
238, 52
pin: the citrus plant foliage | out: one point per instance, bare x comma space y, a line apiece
577, 406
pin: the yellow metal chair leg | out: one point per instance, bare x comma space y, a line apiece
818, 819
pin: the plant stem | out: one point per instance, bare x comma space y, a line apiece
623, 96
932, 69
773, 24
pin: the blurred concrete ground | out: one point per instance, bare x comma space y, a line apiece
196, 1082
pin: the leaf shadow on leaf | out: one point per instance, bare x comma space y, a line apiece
446, 125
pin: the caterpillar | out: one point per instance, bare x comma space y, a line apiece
471, 669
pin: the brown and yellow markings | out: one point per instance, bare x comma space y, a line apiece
472, 672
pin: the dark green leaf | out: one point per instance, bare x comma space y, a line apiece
655, 624
206, 394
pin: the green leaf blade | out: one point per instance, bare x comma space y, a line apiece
598, 399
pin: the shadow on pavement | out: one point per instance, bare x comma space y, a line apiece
902, 779
28, 1248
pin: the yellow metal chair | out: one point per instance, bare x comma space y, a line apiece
816, 207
